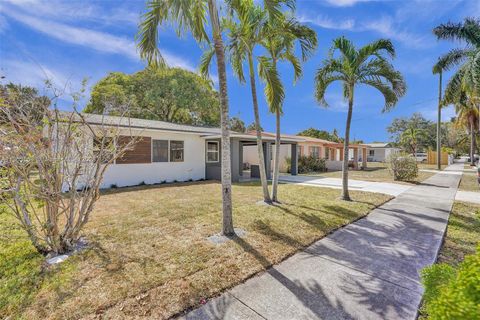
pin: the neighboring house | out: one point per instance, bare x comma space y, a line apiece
332, 152
378, 152
174, 152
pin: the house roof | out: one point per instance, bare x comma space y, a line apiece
295, 137
145, 124
379, 145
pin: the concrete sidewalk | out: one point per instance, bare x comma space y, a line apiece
468, 196
366, 270
393, 189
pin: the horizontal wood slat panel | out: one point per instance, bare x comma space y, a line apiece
141, 152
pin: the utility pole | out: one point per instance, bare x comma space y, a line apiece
439, 123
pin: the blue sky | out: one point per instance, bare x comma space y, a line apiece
67, 41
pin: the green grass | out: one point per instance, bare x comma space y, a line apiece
461, 238
149, 255
463, 233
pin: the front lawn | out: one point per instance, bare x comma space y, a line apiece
378, 171
463, 233
149, 255
461, 239
469, 182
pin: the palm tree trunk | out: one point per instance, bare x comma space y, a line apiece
227, 225
439, 121
261, 157
472, 140
276, 161
345, 195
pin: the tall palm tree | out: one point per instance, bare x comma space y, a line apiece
244, 35
369, 66
192, 15
280, 37
467, 59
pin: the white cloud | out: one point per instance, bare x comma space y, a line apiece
32, 73
97, 40
430, 112
346, 3
328, 23
385, 26
75, 11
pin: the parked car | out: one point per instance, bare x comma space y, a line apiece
420, 156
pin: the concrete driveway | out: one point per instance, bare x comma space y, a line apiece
393, 189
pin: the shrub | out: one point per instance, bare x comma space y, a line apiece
451, 294
311, 164
403, 166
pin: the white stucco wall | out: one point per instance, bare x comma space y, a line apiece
193, 166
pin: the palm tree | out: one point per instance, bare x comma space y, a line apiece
192, 15
467, 117
468, 58
467, 76
411, 136
279, 38
368, 65
244, 35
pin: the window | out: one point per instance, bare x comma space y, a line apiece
315, 152
300, 151
212, 151
327, 153
176, 151
104, 147
160, 151
371, 153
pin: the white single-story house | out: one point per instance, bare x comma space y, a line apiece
379, 152
169, 152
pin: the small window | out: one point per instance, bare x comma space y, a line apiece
315, 152
371, 152
176, 151
160, 151
213, 151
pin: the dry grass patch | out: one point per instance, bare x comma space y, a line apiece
378, 172
149, 255
469, 182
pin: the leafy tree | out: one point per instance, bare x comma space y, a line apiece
24, 101
468, 118
172, 94
368, 65
252, 127
192, 15
237, 124
424, 141
320, 134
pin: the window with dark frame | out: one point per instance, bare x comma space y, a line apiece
176, 151
315, 152
213, 149
371, 152
160, 151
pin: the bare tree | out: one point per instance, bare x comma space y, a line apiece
52, 169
